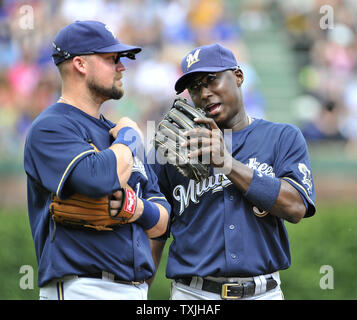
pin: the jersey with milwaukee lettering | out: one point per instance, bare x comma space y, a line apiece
216, 230
66, 152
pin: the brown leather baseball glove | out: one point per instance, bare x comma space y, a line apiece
81, 211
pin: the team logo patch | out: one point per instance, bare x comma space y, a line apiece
307, 178
110, 30
192, 58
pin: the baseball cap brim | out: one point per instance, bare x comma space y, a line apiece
182, 82
131, 51
119, 47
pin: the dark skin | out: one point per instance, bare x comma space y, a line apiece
222, 100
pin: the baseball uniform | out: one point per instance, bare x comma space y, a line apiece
60, 159
218, 233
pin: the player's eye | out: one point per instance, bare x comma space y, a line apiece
211, 78
117, 58
195, 86
114, 58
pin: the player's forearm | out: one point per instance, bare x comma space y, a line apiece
287, 203
152, 217
124, 162
240, 174
161, 226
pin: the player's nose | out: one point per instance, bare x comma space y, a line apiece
120, 67
205, 92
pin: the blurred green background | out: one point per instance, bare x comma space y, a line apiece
299, 63
329, 238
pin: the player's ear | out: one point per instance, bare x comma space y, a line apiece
239, 76
80, 64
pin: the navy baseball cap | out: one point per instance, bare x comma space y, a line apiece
209, 58
88, 37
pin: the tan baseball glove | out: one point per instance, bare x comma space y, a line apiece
81, 211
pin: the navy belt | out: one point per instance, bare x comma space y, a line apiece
231, 290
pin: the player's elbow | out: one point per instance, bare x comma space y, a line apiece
291, 204
296, 212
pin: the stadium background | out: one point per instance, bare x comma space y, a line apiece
299, 59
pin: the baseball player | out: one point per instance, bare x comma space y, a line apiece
71, 148
229, 238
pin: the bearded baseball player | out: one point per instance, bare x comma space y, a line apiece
229, 238
93, 202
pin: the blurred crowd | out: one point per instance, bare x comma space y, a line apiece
167, 30
323, 37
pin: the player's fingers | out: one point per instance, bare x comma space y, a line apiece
200, 152
113, 132
213, 137
197, 142
207, 156
166, 133
194, 154
208, 121
198, 132
115, 205
203, 132
118, 195
125, 122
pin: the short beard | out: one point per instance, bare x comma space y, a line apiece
106, 93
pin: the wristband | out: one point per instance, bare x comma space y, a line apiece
150, 215
263, 190
129, 137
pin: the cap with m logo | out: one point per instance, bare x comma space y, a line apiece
209, 58
192, 58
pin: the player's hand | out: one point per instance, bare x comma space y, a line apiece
116, 202
125, 122
208, 144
